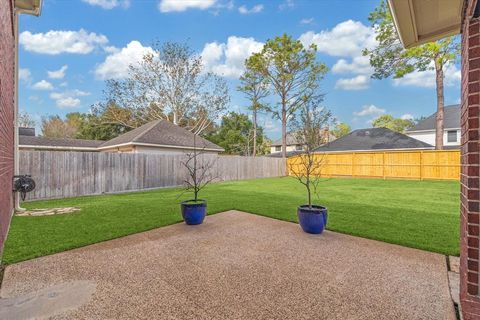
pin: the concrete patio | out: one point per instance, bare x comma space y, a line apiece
234, 266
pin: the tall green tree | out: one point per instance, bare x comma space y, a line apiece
341, 129
293, 73
255, 88
389, 58
395, 124
235, 135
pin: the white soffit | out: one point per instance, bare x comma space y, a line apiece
32, 7
421, 21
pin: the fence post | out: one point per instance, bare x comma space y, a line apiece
384, 166
353, 165
421, 165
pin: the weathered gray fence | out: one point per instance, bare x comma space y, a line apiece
68, 174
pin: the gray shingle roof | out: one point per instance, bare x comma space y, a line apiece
451, 120
373, 139
58, 142
161, 132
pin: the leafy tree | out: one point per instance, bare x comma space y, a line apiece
255, 88
235, 135
93, 128
341, 129
25, 120
169, 83
395, 124
390, 58
293, 73
56, 127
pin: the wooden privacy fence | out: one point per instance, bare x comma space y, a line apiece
431, 164
68, 174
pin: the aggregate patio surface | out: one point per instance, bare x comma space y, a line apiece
235, 266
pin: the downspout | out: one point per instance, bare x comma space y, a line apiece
16, 162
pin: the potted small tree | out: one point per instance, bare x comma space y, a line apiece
310, 127
199, 168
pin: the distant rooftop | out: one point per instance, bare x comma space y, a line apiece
373, 139
451, 120
161, 133
58, 143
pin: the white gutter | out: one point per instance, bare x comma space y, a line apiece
16, 161
375, 150
156, 145
34, 9
429, 130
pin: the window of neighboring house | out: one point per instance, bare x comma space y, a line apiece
278, 148
452, 136
298, 147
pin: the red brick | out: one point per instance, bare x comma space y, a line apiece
473, 277
7, 68
472, 289
470, 161
473, 230
472, 265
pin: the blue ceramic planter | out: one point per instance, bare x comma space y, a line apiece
193, 212
312, 220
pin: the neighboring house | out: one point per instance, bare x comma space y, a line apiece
373, 139
425, 129
293, 146
28, 141
158, 137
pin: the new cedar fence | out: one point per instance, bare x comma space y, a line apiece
420, 165
69, 174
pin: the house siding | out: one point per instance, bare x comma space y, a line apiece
7, 89
470, 159
429, 137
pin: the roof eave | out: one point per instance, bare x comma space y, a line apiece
406, 19
32, 7
157, 145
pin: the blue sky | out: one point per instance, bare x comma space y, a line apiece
67, 53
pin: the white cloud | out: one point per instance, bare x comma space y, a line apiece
228, 59
43, 85
255, 9
68, 99
287, 4
182, 5
407, 116
358, 65
370, 110
109, 4
359, 82
116, 65
307, 21
426, 79
58, 74
24, 74
56, 42
346, 39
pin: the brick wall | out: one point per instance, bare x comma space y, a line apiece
469, 233
7, 65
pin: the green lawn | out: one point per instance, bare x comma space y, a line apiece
418, 214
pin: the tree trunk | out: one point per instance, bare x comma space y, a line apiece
254, 132
175, 118
284, 133
440, 103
